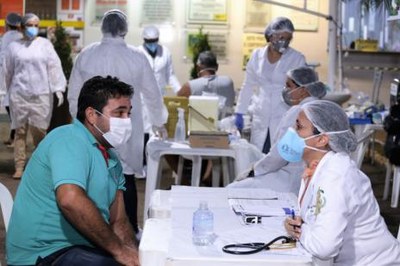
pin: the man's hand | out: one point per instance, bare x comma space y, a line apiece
127, 256
60, 98
160, 132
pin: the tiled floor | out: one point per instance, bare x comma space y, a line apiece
375, 171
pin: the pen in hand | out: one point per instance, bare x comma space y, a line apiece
293, 217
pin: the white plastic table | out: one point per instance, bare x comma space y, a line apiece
166, 241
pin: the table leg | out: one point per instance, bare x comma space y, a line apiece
396, 188
196, 171
151, 181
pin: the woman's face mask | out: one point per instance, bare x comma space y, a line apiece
280, 45
31, 32
120, 131
287, 96
291, 146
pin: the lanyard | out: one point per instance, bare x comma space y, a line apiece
104, 152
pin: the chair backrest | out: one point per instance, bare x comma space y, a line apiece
6, 204
362, 144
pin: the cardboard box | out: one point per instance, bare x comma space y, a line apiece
209, 139
366, 45
172, 103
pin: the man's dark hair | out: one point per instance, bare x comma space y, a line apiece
98, 90
207, 59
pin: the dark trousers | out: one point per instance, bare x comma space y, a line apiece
78, 255
12, 131
130, 200
146, 139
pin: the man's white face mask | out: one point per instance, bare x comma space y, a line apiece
120, 131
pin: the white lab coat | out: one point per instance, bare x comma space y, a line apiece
112, 56
32, 71
272, 171
8, 37
162, 68
341, 216
164, 73
269, 80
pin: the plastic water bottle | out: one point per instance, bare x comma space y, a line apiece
203, 226
180, 129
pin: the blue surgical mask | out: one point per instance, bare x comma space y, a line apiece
31, 32
151, 46
291, 146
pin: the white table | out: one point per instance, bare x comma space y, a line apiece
167, 241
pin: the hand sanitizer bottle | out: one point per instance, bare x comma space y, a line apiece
180, 129
203, 226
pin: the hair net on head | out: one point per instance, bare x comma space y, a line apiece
279, 24
115, 23
28, 17
207, 59
13, 19
328, 117
306, 77
151, 33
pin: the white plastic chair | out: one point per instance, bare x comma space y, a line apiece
6, 204
362, 144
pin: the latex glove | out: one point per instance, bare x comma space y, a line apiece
60, 98
160, 132
239, 121
249, 172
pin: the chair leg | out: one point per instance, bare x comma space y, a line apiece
178, 180
387, 180
396, 187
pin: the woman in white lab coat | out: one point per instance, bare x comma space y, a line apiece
339, 216
265, 77
272, 171
33, 72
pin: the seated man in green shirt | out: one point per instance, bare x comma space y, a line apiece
69, 205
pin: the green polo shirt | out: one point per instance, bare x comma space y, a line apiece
68, 155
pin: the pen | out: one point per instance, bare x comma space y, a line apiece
293, 217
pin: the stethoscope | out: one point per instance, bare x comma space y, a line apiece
251, 248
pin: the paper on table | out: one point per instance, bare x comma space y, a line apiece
260, 210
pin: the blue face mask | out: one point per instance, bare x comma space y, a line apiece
291, 146
31, 32
152, 46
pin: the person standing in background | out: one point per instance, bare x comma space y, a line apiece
33, 72
160, 60
112, 56
13, 24
266, 77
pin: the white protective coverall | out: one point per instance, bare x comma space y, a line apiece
33, 72
112, 56
164, 73
272, 171
269, 79
341, 216
162, 68
8, 37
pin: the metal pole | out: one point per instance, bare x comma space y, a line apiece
333, 8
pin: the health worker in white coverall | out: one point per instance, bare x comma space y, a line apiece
112, 56
264, 82
273, 171
32, 72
